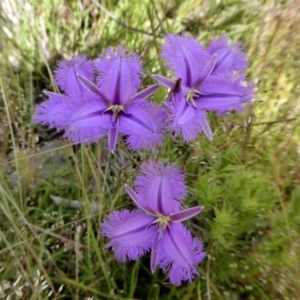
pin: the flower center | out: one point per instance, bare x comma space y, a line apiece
191, 94
115, 109
162, 221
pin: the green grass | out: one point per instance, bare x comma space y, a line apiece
247, 178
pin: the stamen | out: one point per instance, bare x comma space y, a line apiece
116, 109
162, 221
190, 96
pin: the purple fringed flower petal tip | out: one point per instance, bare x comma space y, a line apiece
180, 254
160, 187
156, 224
112, 107
119, 75
129, 232
186, 57
186, 119
207, 80
230, 57
144, 125
66, 73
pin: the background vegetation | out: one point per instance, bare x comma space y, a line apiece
247, 178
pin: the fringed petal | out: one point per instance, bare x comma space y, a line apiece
160, 187
143, 123
185, 119
55, 112
186, 57
223, 94
66, 72
138, 201
180, 254
119, 75
230, 57
131, 233
88, 123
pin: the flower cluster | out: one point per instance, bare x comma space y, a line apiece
156, 224
102, 98
112, 105
206, 80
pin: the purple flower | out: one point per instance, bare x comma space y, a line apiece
89, 111
207, 80
156, 224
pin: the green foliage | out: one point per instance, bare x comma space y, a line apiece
247, 179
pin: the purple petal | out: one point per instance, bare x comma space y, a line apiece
112, 138
222, 94
204, 125
186, 214
93, 88
137, 200
155, 255
131, 233
119, 75
229, 56
182, 117
160, 187
83, 120
143, 123
186, 119
56, 111
88, 123
209, 70
164, 80
66, 72
186, 57
143, 94
180, 254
